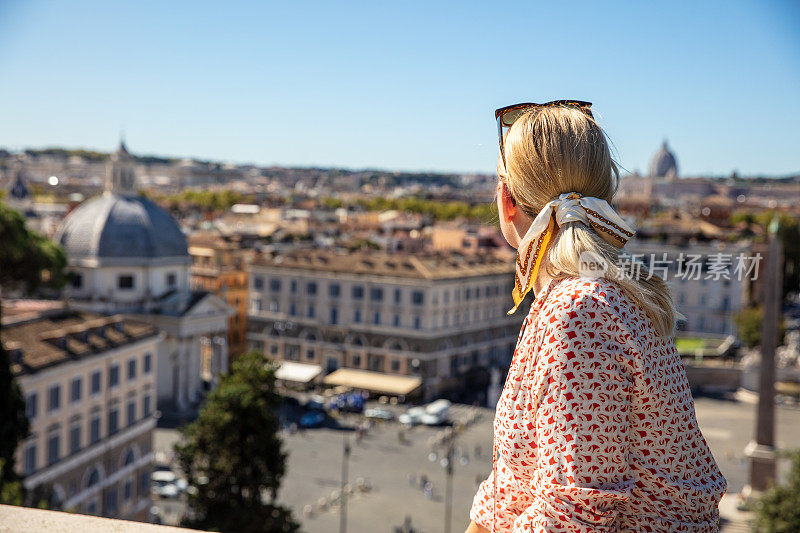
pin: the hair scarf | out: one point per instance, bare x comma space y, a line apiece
567, 208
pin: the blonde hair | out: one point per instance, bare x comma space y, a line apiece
555, 150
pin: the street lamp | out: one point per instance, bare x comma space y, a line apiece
447, 441
342, 494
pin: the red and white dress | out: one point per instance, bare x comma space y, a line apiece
595, 429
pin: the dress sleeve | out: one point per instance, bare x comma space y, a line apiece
481, 510
582, 422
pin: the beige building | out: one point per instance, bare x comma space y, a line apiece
441, 318
89, 387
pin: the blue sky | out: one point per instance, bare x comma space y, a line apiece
401, 85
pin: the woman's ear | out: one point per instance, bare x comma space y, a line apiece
508, 206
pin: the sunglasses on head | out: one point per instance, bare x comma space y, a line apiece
506, 116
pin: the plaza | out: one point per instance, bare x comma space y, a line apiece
393, 469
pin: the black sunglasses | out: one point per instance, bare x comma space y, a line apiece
506, 116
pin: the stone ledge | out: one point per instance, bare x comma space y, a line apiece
25, 519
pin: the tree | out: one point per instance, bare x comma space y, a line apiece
748, 325
778, 511
232, 454
27, 261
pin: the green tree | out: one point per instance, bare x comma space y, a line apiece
748, 325
778, 511
232, 454
27, 261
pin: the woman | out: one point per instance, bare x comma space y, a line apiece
595, 429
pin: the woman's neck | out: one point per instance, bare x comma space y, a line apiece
542, 281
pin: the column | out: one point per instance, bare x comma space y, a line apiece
193, 370
180, 400
223, 352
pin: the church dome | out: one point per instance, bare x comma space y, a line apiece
114, 226
664, 164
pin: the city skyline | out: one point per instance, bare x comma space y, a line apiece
400, 87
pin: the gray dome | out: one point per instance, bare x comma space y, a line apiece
664, 164
113, 226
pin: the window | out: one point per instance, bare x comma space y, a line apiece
77, 281
30, 458
334, 290
75, 438
127, 490
146, 405
395, 365
96, 382
357, 315
258, 282
111, 501
53, 398
94, 428
131, 412
396, 321
53, 445
356, 360
125, 282
292, 309
113, 420
398, 296
310, 353
148, 362
275, 285
30, 405
113, 375
376, 294
358, 292
144, 482
131, 369
311, 311
311, 288
417, 297
376, 318
171, 279
467, 294
334, 315
417, 322
75, 390
273, 306
293, 286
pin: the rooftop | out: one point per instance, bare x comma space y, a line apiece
60, 335
422, 266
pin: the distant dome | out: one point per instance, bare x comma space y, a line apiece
664, 164
112, 226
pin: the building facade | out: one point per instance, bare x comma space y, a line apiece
128, 255
436, 317
706, 286
89, 386
218, 266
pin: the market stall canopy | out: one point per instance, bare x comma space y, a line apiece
373, 381
297, 372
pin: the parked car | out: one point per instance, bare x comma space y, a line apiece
436, 413
312, 419
164, 483
412, 416
377, 412
351, 402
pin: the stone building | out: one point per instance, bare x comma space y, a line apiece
129, 256
218, 266
441, 318
89, 386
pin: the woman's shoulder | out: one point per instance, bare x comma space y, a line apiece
602, 295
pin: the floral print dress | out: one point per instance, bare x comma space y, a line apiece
595, 429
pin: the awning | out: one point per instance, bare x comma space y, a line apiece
373, 381
297, 372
